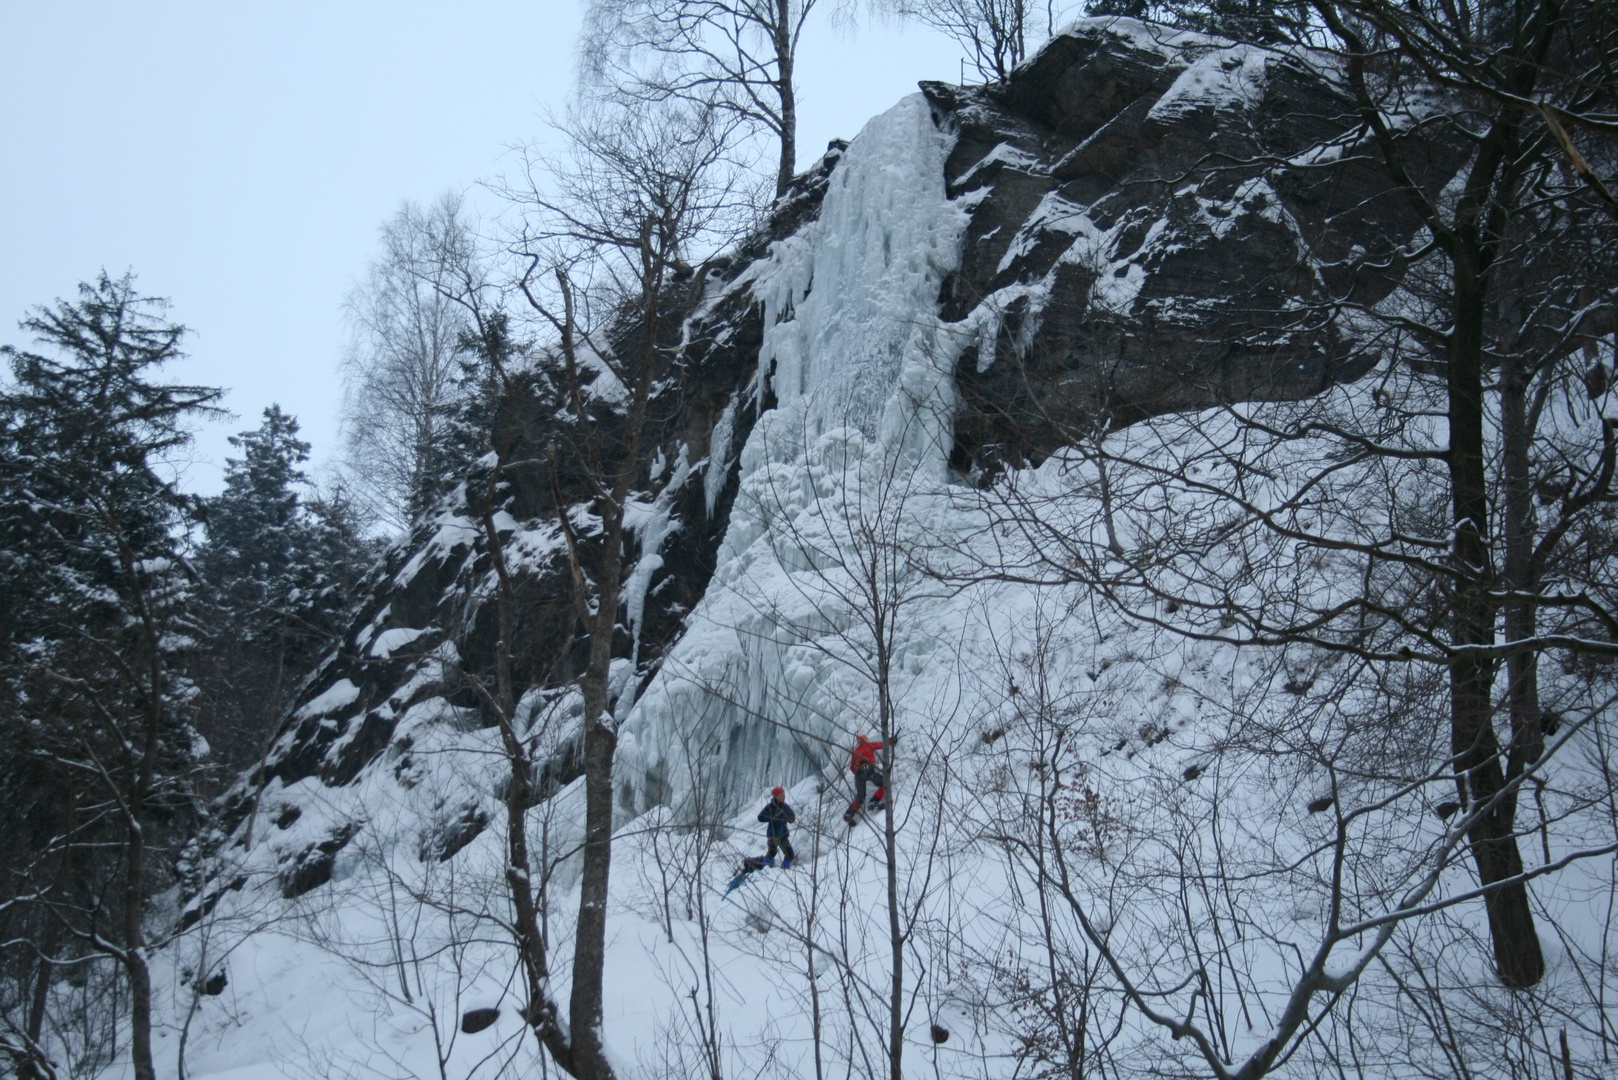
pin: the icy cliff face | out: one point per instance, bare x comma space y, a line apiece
1138, 222
849, 302
859, 364
1135, 224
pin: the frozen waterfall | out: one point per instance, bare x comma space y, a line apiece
769, 680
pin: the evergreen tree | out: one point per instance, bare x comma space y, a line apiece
281, 574
97, 752
253, 525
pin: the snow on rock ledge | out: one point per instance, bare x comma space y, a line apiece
1135, 223
1160, 221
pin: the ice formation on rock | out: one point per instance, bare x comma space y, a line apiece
849, 301
1006, 693
861, 369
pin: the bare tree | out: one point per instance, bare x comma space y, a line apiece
1515, 59
684, 844
844, 584
996, 34
738, 55
1259, 527
432, 937
1305, 837
402, 368
1047, 986
1438, 486
604, 238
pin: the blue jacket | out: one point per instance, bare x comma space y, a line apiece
777, 815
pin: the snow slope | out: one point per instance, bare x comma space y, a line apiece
1182, 778
1187, 823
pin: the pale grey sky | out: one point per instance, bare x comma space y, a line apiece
239, 157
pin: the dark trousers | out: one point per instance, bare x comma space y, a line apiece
867, 774
779, 842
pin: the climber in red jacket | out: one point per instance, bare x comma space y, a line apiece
862, 763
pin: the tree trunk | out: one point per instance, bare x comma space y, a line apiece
589, 958
1527, 729
600, 730
789, 103
28, 1067
600, 747
134, 961
1479, 775
816, 1024
884, 658
134, 799
540, 1011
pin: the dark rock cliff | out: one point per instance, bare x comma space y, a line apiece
1162, 221
1158, 222
424, 627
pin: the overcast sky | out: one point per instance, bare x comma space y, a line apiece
239, 157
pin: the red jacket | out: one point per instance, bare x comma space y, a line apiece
864, 754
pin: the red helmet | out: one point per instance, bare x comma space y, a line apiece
862, 738
779, 791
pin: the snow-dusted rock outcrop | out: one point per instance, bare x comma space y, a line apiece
1137, 222
1160, 221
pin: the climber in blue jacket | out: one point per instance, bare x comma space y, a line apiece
776, 814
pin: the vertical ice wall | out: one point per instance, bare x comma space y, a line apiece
851, 334
766, 682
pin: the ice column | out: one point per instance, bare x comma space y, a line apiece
753, 694
852, 336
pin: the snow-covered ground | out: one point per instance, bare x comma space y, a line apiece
1069, 772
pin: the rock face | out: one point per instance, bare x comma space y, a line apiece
421, 631
312, 867
1158, 222
1161, 221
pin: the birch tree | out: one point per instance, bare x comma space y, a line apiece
402, 369
740, 56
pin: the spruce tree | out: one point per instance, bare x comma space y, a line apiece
253, 525
281, 575
97, 752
